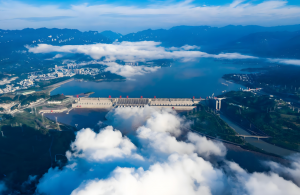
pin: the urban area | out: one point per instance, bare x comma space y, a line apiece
54, 73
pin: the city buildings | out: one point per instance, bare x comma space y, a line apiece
59, 72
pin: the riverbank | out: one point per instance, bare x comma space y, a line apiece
251, 160
270, 148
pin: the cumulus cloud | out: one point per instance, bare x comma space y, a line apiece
179, 175
158, 120
94, 155
133, 51
165, 143
263, 183
156, 14
128, 119
206, 147
158, 128
292, 172
102, 163
104, 146
260, 183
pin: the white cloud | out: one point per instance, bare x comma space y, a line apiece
129, 71
179, 175
292, 172
206, 147
185, 47
165, 143
181, 170
158, 129
263, 183
133, 51
158, 120
125, 18
285, 61
165, 121
260, 183
55, 57
129, 119
107, 145
189, 47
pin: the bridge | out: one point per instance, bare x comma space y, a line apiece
108, 103
254, 136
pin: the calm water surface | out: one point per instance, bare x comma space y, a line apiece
182, 80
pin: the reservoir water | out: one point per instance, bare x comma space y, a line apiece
182, 80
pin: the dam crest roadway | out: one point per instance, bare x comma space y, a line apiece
108, 103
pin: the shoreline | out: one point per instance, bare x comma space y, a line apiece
262, 155
264, 145
50, 88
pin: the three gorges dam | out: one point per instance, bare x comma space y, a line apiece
108, 103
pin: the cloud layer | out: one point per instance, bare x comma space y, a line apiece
107, 145
141, 52
179, 175
129, 71
134, 51
286, 61
102, 164
157, 14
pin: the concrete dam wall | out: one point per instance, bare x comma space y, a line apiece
108, 103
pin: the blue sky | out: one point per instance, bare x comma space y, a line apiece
142, 2
133, 15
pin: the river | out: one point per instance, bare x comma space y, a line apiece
259, 143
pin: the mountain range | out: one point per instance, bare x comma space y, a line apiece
278, 41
